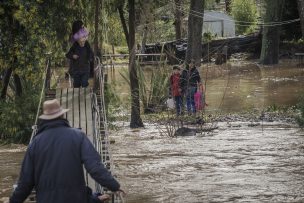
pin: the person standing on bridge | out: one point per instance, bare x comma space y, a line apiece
54, 160
81, 56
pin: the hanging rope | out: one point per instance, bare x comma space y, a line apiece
101, 123
34, 127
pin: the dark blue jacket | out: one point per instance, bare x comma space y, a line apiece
53, 164
189, 78
86, 56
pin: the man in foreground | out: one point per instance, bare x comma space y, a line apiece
53, 163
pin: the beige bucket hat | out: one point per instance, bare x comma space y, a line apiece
52, 110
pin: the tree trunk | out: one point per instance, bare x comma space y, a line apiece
6, 80
135, 105
228, 6
144, 40
96, 27
178, 19
195, 27
18, 85
301, 14
123, 21
271, 35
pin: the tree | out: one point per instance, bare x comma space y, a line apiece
271, 34
195, 27
136, 121
178, 19
228, 6
301, 14
245, 11
29, 30
120, 9
96, 26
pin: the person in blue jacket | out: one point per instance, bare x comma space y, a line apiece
189, 81
54, 160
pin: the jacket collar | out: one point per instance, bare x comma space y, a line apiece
47, 124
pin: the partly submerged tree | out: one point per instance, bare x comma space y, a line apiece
136, 120
195, 27
135, 105
271, 32
301, 14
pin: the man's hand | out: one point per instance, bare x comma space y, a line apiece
121, 192
104, 197
75, 56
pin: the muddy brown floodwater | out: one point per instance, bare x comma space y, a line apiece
245, 86
235, 163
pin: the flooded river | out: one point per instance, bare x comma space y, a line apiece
235, 163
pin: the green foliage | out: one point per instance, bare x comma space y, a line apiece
300, 107
29, 31
272, 108
154, 92
245, 11
160, 31
112, 28
210, 4
122, 50
153, 87
112, 100
208, 36
18, 115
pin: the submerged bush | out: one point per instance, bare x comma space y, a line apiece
153, 87
300, 106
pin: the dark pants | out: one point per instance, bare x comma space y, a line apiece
178, 104
190, 99
81, 79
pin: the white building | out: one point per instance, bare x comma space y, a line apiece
219, 24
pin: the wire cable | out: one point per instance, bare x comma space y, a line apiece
239, 23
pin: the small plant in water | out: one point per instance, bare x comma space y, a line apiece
272, 108
300, 106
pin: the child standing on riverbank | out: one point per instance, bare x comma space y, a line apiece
176, 90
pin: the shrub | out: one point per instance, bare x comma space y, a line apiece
17, 116
245, 11
300, 107
153, 87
